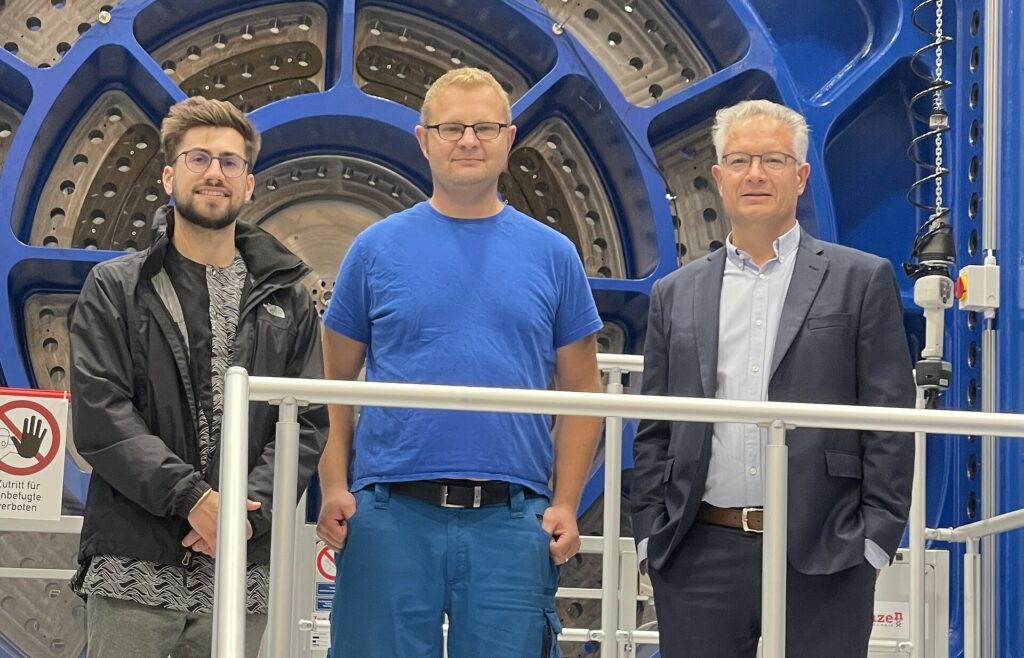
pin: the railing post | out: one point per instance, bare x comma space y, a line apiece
773, 560
972, 600
628, 590
229, 575
280, 619
917, 524
612, 510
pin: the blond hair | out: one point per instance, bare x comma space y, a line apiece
793, 120
465, 77
199, 112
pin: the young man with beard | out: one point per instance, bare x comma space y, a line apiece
456, 513
152, 336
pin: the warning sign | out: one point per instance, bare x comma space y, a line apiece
323, 594
32, 431
325, 563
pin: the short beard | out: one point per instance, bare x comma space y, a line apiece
187, 211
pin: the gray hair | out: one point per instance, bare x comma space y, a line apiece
793, 120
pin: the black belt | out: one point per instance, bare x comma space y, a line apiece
748, 519
457, 493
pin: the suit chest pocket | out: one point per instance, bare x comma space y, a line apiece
833, 321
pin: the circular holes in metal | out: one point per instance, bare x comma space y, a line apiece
972, 466
972, 355
972, 505
972, 392
972, 242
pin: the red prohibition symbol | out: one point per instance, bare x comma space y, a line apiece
325, 563
42, 460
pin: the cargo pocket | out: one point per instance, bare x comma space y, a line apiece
552, 627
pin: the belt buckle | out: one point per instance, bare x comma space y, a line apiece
477, 497
746, 525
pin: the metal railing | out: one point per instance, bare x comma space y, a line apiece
229, 600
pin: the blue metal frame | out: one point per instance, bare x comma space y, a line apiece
844, 65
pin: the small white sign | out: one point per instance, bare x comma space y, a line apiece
892, 620
32, 440
323, 593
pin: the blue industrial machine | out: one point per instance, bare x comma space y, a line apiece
614, 101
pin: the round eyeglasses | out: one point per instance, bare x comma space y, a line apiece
198, 161
485, 131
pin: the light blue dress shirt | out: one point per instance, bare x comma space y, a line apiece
750, 309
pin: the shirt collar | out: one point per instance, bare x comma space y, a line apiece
785, 247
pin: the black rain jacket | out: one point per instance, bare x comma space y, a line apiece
134, 411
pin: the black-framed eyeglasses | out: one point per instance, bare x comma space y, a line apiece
772, 160
485, 131
199, 160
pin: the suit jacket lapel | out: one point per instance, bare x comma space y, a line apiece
808, 272
706, 297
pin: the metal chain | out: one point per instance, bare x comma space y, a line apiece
938, 103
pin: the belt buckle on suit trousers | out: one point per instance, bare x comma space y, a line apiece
746, 525
477, 495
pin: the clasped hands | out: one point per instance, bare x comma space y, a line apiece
202, 538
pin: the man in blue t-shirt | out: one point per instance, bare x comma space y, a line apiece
447, 512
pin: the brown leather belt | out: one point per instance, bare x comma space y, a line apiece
748, 519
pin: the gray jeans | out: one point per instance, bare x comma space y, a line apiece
122, 629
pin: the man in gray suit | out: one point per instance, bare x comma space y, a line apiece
774, 315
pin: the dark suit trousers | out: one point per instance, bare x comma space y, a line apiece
708, 601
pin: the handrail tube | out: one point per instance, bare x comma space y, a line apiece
478, 398
611, 531
280, 615
773, 559
974, 531
991, 526
228, 639
229, 588
917, 523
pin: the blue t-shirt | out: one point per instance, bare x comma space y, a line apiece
473, 302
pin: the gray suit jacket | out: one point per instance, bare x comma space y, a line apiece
840, 341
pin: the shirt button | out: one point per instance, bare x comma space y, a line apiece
758, 322
752, 471
755, 368
762, 277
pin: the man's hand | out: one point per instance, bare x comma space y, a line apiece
202, 538
560, 522
335, 511
32, 435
